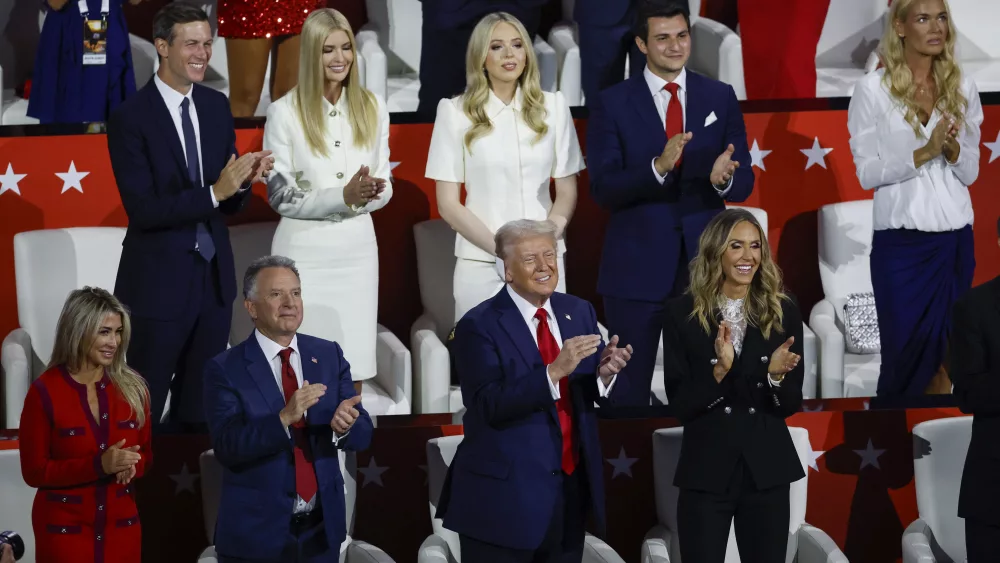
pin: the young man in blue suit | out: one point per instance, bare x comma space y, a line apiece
279, 405
173, 152
666, 149
532, 365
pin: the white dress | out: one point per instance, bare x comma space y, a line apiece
333, 246
507, 176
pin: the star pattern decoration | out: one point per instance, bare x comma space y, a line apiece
757, 156
816, 154
392, 166
184, 480
71, 178
622, 464
813, 455
869, 456
994, 148
373, 473
9, 180
817, 408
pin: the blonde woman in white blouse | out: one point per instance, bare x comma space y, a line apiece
915, 138
330, 141
505, 140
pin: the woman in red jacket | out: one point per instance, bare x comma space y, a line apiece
84, 437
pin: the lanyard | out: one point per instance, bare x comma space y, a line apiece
84, 10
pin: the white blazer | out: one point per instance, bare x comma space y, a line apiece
507, 173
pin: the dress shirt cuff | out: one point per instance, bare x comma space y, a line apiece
552, 386
772, 382
211, 192
723, 191
337, 439
660, 179
605, 391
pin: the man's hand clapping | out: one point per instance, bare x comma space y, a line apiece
302, 400
117, 458
613, 360
671, 153
724, 167
345, 416
261, 168
574, 351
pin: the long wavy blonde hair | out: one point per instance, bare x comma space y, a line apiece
362, 109
898, 77
81, 319
477, 88
765, 294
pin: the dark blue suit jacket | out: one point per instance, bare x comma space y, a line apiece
505, 477
604, 13
242, 402
447, 14
650, 223
164, 206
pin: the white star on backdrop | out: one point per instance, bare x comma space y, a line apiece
9, 180
757, 156
622, 464
811, 457
71, 178
185, 480
392, 166
869, 456
816, 154
994, 148
373, 473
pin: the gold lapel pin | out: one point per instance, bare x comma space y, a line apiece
314, 360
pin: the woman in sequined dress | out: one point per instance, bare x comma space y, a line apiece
732, 345
253, 28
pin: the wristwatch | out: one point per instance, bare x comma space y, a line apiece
776, 378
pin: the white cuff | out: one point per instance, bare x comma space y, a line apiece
211, 192
553, 388
660, 179
605, 391
772, 382
337, 439
724, 191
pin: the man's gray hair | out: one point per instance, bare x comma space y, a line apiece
250, 278
510, 233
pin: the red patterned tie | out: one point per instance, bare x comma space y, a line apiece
675, 115
305, 475
549, 349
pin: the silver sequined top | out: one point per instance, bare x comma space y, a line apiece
734, 313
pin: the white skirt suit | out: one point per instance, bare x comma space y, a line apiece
506, 175
333, 245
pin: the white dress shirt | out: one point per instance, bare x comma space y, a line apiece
271, 351
661, 97
527, 311
508, 173
932, 198
173, 99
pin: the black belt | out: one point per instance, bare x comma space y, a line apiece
305, 520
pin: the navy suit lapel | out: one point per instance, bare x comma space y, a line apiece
568, 326
642, 102
697, 107
260, 372
513, 324
165, 123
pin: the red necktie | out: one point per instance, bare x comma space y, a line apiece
675, 115
305, 475
549, 349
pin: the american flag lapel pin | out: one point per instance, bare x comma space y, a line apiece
314, 360
568, 318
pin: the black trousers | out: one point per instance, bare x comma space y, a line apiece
305, 543
981, 540
563, 541
761, 521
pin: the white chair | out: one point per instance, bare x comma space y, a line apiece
563, 39
978, 46
851, 32
442, 546
351, 551
18, 499
806, 544
845, 235
938, 535
394, 26
388, 392
717, 52
48, 265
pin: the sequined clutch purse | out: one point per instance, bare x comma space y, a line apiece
861, 324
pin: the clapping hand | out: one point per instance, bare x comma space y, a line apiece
302, 400
125, 476
346, 415
944, 138
117, 459
613, 360
671, 153
262, 166
724, 351
574, 351
783, 360
724, 167
363, 188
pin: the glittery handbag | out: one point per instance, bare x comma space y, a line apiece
861, 324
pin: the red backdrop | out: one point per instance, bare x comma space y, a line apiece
789, 192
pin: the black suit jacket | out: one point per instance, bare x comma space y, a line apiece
975, 372
741, 416
163, 206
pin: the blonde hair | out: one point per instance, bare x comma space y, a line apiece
898, 77
307, 96
765, 294
81, 319
477, 89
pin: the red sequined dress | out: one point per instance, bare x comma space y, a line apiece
258, 19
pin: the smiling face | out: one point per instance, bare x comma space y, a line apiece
667, 45
276, 305
506, 56
338, 56
185, 58
924, 29
531, 268
106, 342
741, 259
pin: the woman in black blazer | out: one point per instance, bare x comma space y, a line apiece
732, 346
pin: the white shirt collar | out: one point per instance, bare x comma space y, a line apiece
272, 348
172, 97
341, 104
494, 105
527, 309
656, 83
